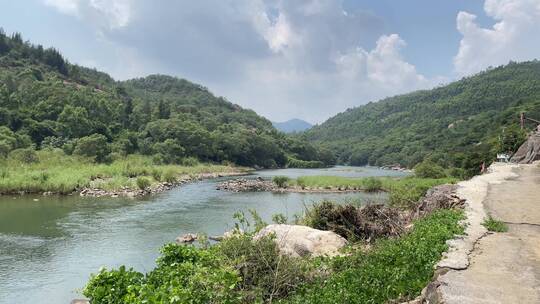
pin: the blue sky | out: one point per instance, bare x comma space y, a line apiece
308, 59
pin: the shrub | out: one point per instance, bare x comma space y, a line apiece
354, 223
184, 274
280, 181
395, 270
372, 184
265, 274
156, 174
24, 155
143, 183
190, 162
112, 286
494, 225
94, 146
429, 169
170, 176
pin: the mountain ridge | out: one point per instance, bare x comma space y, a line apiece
292, 125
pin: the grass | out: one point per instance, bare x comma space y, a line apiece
403, 191
494, 225
61, 173
394, 270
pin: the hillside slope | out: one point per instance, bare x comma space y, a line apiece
460, 125
47, 102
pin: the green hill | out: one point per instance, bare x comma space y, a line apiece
458, 125
47, 102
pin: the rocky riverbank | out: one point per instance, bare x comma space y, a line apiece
261, 185
161, 187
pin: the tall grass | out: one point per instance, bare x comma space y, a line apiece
403, 191
60, 173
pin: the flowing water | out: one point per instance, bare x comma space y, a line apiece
50, 245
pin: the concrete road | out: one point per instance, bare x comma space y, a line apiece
504, 267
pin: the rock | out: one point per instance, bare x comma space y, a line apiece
299, 241
247, 185
186, 238
529, 150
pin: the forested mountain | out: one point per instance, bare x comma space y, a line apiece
47, 102
292, 125
458, 125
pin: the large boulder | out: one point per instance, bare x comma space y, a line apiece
529, 150
299, 241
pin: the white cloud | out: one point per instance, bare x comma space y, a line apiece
109, 13
308, 59
514, 36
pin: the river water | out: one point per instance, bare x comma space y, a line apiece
50, 245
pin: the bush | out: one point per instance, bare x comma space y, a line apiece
265, 274
94, 146
184, 274
354, 223
281, 181
393, 271
25, 155
428, 169
190, 162
112, 286
170, 176
143, 183
494, 225
372, 184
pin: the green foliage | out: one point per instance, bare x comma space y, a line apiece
429, 169
24, 155
372, 184
94, 146
280, 181
68, 173
47, 102
279, 218
458, 125
169, 176
265, 274
394, 270
296, 163
112, 286
184, 274
143, 183
494, 225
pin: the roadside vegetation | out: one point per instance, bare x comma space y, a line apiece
494, 225
30, 171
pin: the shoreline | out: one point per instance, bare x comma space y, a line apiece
128, 192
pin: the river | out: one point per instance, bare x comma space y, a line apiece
50, 245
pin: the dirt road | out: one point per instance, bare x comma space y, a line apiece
503, 267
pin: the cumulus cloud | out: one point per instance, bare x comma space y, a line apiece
308, 59
514, 36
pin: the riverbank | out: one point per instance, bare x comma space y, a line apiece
403, 191
53, 172
390, 257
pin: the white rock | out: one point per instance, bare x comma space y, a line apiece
297, 241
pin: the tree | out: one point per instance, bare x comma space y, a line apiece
94, 146
74, 122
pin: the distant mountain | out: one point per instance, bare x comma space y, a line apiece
292, 125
